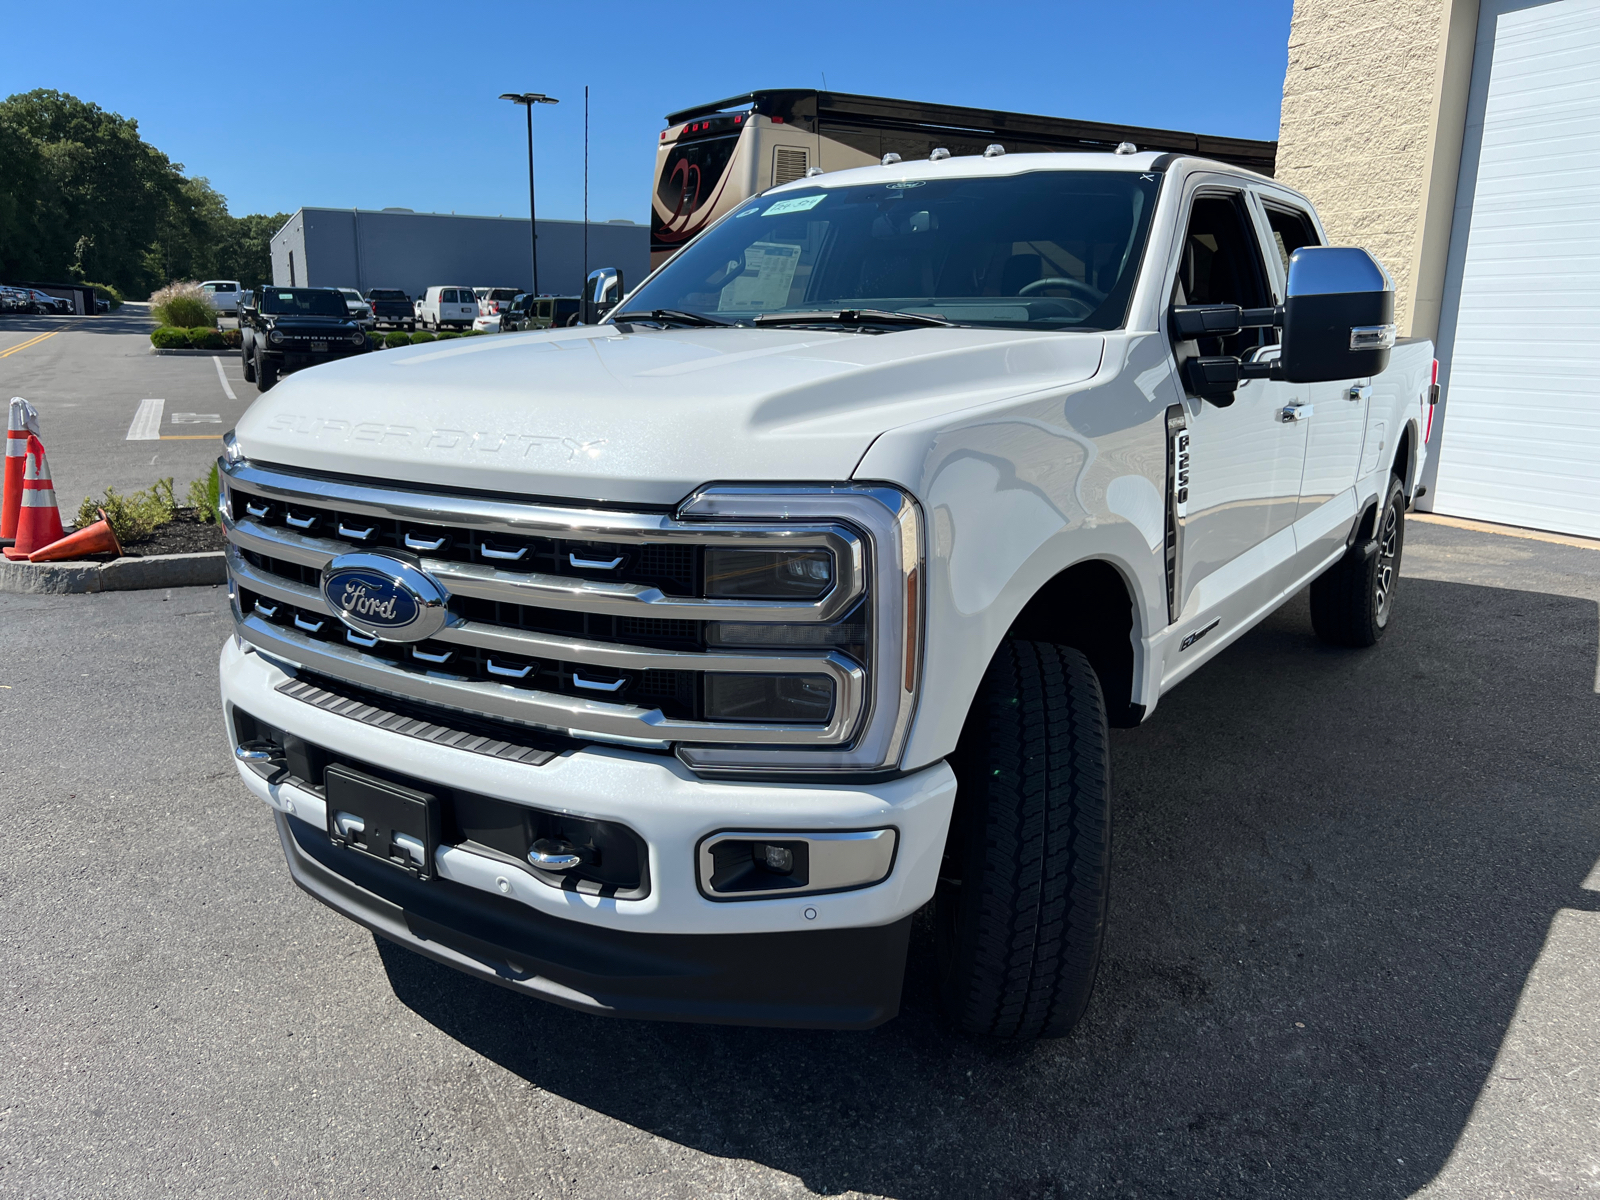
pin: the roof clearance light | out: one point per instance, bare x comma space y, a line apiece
890, 159
939, 154
994, 150
1127, 148
777, 120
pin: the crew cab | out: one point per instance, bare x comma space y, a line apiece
447, 308
356, 305
288, 328
391, 306
492, 299
223, 294
667, 666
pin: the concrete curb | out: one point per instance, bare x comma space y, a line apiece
197, 353
119, 575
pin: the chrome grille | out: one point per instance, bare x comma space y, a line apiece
593, 623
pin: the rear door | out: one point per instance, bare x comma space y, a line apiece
1337, 425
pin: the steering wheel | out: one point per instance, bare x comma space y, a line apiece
1094, 295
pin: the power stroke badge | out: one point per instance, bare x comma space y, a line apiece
384, 597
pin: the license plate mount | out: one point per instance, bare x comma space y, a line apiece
394, 824
319, 347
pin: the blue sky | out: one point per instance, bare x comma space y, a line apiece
287, 104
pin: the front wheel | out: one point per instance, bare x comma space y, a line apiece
1021, 903
247, 360
1352, 602
266, 373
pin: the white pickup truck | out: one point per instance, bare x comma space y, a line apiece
665, 667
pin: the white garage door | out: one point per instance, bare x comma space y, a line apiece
1521, 430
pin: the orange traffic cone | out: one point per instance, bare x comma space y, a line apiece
24, 420
98, 538
38, 520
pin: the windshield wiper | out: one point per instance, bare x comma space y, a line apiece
674, 316
852, 316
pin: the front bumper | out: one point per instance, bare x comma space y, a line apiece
817, 959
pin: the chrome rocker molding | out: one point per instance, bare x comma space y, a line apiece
873, 531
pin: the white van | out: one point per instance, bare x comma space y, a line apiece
442, 306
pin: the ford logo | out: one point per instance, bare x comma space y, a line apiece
385, 597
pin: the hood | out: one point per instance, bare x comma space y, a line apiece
641, 417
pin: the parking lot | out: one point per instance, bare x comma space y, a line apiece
92, 377
1353, 949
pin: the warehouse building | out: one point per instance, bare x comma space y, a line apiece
1459, 141
398, 248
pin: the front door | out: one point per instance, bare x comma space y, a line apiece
1245, 458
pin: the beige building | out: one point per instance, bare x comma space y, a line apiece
1459, 141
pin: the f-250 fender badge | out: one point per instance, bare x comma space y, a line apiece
385, 597
1197, 635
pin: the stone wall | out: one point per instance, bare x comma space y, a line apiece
1360, 109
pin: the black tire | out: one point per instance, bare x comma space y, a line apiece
1021, 905
247, 361
1352, 602
266, 373
411, 326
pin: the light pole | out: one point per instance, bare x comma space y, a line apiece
528, 100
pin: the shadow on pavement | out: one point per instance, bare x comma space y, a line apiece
1334, 871
121, 321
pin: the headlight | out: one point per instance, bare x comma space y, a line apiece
357, 338
230, 448
769, 699
275, 336
830, 575
768, 574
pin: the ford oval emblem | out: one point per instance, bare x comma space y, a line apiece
385, 597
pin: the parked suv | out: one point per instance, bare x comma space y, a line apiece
356, 304
452, 307
291, 328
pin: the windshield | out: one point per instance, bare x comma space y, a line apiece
1044, 250
304, 302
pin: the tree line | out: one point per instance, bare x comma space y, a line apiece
84, 198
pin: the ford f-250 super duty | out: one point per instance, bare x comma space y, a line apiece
666, 667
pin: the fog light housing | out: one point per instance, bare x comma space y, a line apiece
768, 574
743, 865
762, 699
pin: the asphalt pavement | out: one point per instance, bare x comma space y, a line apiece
89, 377
1353, 951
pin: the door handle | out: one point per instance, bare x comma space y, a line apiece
1360, 391
1295, 412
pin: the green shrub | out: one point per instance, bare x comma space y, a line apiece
232, 338
133, 518
182, 304
398, 337
169, 337
106, 292
420, 336
203, 338
444, 337
204, 496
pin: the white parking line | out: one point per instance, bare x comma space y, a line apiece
225, 384
146, 425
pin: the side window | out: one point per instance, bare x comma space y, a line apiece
1221, 264
1291, 229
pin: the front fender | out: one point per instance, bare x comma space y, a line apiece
1017, 491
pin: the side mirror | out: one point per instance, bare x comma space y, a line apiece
1338, 318
601, 292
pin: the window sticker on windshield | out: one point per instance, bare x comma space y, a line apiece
799, 204
285, 295
764, 285
749, 212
